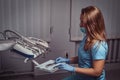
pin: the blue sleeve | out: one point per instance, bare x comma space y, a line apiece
99, 50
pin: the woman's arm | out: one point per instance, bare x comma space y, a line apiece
97, 69
74, 60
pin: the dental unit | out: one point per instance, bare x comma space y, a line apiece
28, 47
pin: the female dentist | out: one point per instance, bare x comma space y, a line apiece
92, 50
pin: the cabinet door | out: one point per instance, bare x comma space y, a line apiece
28, 17
60, 23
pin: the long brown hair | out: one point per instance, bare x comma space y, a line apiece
94, 24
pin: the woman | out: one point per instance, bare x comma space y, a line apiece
93, 48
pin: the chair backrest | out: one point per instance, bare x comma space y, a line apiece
113, 50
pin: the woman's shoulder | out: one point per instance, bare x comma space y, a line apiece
99, 44
100, 50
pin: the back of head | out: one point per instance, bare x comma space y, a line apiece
94, 23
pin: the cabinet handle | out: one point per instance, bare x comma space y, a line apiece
51, 29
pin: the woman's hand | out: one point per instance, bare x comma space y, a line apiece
67, 67
61, 59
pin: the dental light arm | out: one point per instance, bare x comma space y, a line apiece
28, 47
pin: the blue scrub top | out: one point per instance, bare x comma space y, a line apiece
98, 52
